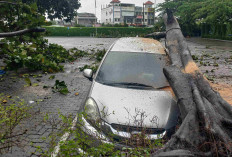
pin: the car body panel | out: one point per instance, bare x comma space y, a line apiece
121, 105
142, 45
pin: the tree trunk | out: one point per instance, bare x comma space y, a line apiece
206, 128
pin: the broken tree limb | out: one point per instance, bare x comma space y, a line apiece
156, 35
206, 128
6, 2
21, 32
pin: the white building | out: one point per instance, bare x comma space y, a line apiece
117, 12
111, 14
149, 13
86, 19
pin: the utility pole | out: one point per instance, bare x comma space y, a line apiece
96, 15
120, 13
113, 13
143, 15
154, 11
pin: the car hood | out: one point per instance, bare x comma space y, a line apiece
134, 107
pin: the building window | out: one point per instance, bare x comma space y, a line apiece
145, 13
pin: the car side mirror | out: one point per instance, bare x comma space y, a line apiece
88, 73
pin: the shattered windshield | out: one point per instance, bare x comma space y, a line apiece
133, 68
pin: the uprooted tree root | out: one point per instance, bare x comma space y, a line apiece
206, 128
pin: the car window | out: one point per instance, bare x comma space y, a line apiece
133, 67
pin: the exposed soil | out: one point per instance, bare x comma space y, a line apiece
214, 58
225, 90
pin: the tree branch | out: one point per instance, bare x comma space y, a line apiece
6, 2
21, 32
156, 35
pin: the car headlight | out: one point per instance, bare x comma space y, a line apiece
91, 110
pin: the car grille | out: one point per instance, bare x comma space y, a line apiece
126, 128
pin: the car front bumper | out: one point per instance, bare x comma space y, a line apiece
109, 130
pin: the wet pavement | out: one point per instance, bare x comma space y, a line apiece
44, 101
83, 43
213, 57
211, 43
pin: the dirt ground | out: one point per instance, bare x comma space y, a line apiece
214, 59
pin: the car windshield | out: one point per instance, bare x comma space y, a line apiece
133, 69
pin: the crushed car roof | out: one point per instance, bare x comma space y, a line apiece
136, 44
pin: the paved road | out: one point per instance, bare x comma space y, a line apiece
51, 103
83, 43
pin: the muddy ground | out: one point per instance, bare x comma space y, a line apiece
213, 57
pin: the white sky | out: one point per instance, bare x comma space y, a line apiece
89, 5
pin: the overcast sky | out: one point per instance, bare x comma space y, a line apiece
89, 5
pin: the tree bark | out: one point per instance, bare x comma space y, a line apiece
21, 32
206, 128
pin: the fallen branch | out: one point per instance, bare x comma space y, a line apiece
6, 2
156, 35
21, 32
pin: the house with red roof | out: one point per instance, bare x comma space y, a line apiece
117, 12
148, 3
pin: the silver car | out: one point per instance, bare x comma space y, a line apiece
130, 95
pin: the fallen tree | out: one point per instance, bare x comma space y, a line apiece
206, 128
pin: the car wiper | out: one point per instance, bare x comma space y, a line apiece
130, 84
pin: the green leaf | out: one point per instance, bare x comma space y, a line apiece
35, 84
45, 87
52, 77
61, 87
64, 91
28, 82
25, 75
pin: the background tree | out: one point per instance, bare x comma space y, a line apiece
192, 14
61, 9
28, 49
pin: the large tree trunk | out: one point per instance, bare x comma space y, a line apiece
206, 128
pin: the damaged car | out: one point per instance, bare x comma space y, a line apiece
130, 97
